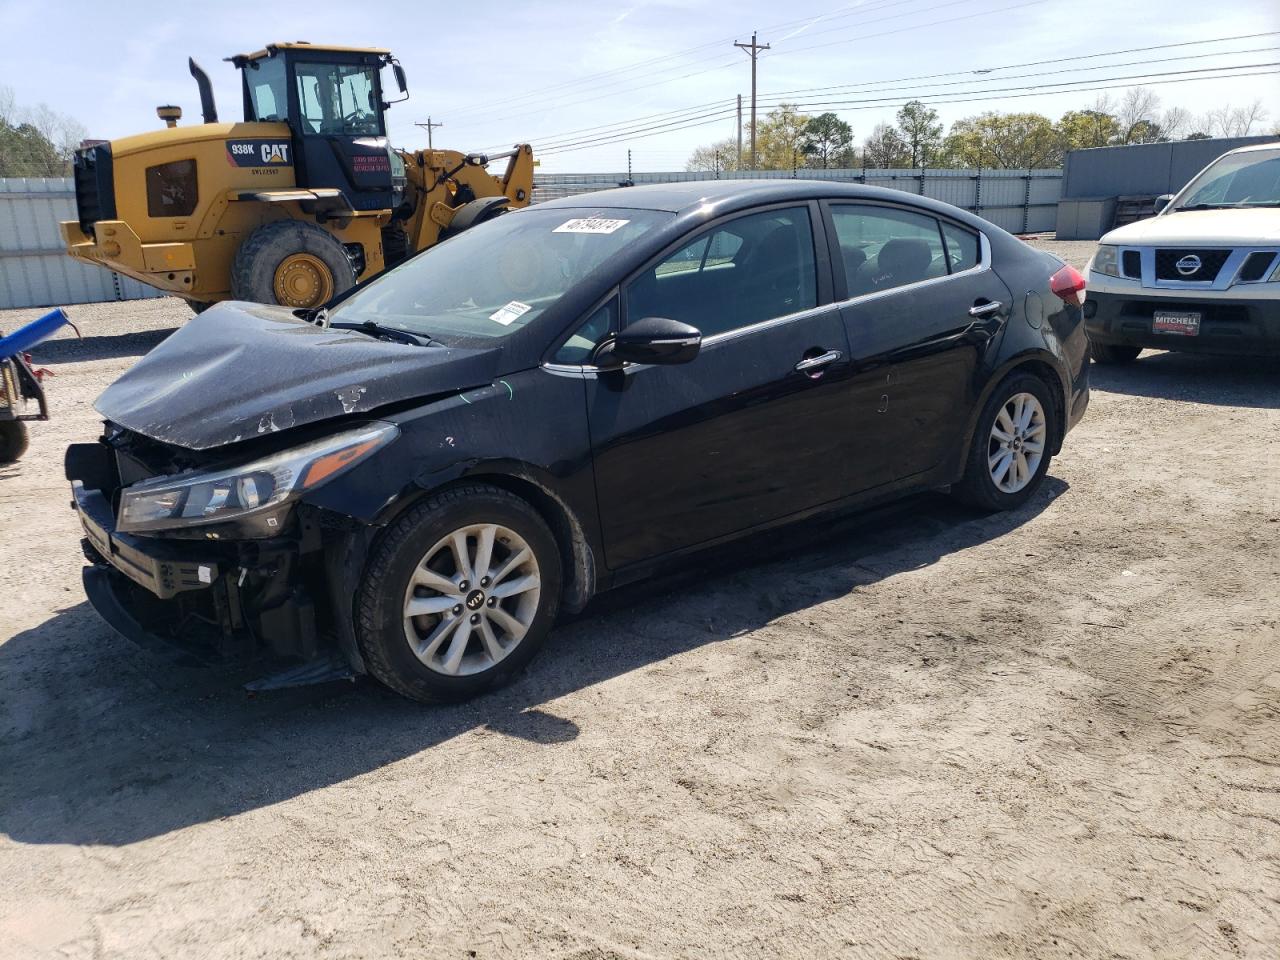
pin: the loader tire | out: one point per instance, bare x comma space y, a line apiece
13, 440
292, 263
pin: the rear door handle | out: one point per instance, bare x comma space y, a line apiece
810, 364
986, 309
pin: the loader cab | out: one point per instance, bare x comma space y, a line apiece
332, 100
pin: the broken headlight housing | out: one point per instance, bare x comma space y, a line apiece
163, 503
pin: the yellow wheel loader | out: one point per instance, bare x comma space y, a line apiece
294, 205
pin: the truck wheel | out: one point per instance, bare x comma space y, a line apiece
13, 440
292, 263
1010, 451
1113, 353
458, 595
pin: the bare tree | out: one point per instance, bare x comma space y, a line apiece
1137, 114
1228, 121
1175, 121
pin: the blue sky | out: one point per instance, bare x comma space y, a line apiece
498, 72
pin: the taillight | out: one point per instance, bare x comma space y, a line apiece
1068, 284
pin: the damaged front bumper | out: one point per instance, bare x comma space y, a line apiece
266, 604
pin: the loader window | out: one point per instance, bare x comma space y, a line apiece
338, 99
268, 89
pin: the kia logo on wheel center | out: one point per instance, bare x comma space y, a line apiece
1188, 265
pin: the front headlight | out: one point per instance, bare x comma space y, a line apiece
1107, 261
199, 498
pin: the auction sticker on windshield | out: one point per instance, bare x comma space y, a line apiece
590, 225
509, 314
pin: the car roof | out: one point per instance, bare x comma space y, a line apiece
729, 195
1255, 146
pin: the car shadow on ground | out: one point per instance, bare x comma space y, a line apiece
78, 350
1194, 378
99, 745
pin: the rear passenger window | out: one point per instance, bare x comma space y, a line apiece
752, 269
962, 247
883, 248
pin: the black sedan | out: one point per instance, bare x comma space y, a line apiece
415, 482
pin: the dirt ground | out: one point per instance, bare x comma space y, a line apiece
923, 733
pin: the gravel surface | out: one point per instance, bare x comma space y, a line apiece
923, 733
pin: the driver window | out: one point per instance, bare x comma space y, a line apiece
268, 90
579, 346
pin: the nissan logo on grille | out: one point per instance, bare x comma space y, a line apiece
1188, 265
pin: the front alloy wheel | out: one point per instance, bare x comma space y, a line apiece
472, 599
458, 593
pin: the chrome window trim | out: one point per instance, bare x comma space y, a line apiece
983, 265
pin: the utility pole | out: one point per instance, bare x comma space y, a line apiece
753, 51
738, 166
429, 126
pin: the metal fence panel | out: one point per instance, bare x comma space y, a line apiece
1020, 201
35, 270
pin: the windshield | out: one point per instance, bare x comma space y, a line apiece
498, 277
338, 98
1249, 179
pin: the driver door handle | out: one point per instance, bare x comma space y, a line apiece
810, 364
986, 309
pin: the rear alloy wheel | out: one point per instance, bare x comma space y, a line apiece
1012, 445
292, 263
1113, 352
459, 594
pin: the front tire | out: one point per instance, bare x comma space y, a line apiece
458, 595
1011, 447
1113, 353
292, 263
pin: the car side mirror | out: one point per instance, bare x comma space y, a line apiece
1162, 201
651, 340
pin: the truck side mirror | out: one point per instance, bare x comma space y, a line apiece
401, 82
1162, 201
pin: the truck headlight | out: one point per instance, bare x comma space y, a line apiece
199, 498
1106, 261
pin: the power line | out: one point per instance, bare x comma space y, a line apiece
624, 126
1100, 83
722, 65
484, 116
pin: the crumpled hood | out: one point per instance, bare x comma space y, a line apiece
239, 370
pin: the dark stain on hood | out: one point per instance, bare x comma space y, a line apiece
242, 370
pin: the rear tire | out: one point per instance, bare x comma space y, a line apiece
986, 483
478, 624
1113, 353
13, 440
292, 263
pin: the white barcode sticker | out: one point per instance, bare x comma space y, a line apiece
509, 314
590, 225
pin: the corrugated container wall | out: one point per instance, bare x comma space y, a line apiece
35, 270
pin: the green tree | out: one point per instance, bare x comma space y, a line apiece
827, 140
35, 143
919, 128
780, 139
1003, 141
1080, 129
885, 148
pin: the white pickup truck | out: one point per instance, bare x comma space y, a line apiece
1203, 275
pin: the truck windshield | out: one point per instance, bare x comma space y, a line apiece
497, 277
268, 90
338, 99
1250, 179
